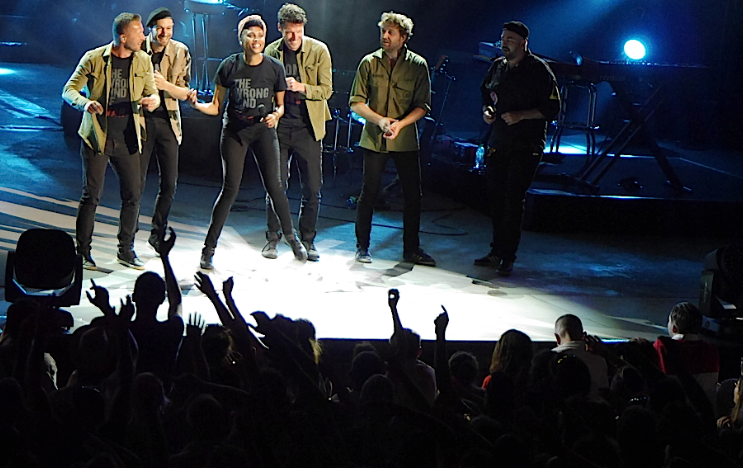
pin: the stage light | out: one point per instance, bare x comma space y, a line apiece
46, 267
721, 290
6, 71
634, 49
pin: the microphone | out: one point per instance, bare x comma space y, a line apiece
262, 112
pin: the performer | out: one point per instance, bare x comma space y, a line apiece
252, 83
121, 85
172, 63
519, 95
309, 82
392, 91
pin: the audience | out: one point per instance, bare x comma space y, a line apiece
570, 339
684, 353
221, 397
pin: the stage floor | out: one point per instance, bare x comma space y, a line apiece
622, 286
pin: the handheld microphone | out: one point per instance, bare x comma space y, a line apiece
262, 112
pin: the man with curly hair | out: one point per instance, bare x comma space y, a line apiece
391, 91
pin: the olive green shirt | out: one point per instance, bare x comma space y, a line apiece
315, 72
94, 73
394, 94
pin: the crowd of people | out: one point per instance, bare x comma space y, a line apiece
128, 390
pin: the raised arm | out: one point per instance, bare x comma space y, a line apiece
441, 361
393, 297
227, 287
100, 299
175, 299
237, 326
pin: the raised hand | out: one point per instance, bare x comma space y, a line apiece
100, 299
441, 322
227, 286
263, 323
205, 285
195, 325
393, 297
126, 312
166, 245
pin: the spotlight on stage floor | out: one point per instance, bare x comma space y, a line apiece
45, 267
721, 290
634, 49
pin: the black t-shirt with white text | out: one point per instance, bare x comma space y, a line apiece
295, 110
120, 122
251, 88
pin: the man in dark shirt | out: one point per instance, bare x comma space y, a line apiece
309, 81
171, 61
519, 97
120, 84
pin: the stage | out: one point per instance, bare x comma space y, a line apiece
621, 285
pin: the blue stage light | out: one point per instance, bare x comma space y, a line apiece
634, 49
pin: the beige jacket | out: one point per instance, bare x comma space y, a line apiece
176, 68
316, 73
94, 73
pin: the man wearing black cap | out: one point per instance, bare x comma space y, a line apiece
172, 64
519, 96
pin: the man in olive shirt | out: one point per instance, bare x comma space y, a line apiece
309, 81
391, 91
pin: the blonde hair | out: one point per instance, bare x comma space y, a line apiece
404, 23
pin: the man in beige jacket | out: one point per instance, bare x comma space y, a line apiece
171, 61
309, 83
120, 85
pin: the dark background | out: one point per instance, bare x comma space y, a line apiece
697, 110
